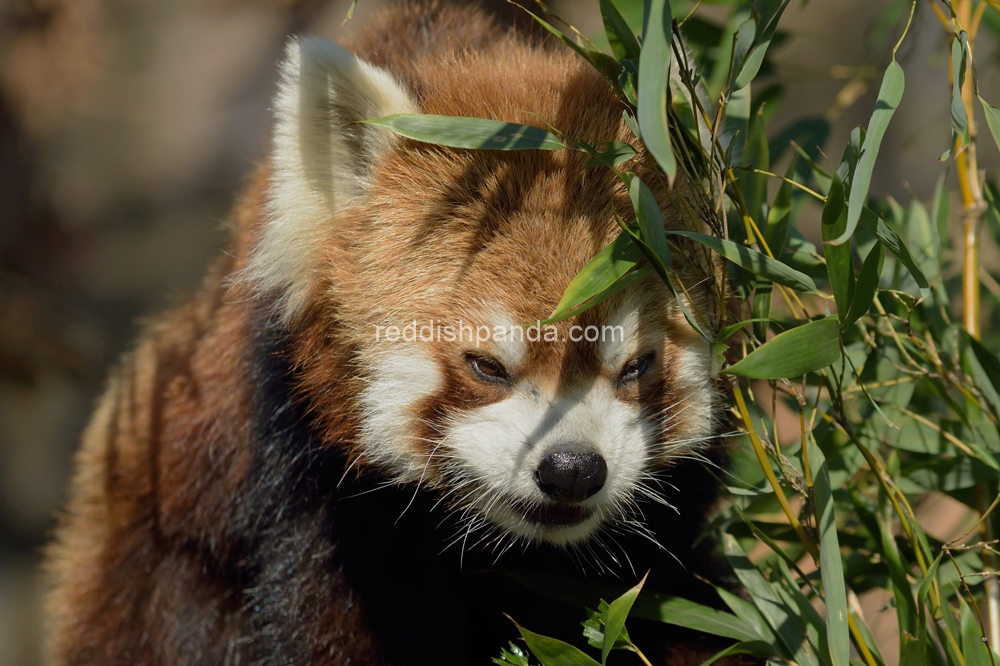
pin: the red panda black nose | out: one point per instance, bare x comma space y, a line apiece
571, 475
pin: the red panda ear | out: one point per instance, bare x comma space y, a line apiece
320, 156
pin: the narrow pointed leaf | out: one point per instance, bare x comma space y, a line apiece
889, 96
603, 63
614, 152
654, 75
684, 613
615, 621
742, 43
552, 652
838, 257
873, 224
959, 60
973, 648
803, 349
476, 133
867, 284
623, 42
764, 598
610, 264
831, 566
756, 648
992, 119
622, 283
664, 272
649, 217
753, 261
754, 59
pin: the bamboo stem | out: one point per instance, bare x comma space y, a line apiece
973, 206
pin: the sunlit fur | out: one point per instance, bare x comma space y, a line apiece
268, 481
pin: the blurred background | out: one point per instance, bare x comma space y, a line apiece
128, 126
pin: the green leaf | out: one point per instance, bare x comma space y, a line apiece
515, 656
553, 652
776, 233
742, 43
992, 119
664, 272
756, 648
921, 235
959, 119
649, 217
606, 65
615, 152
973, 648
690, 615
594, 627
831, 566
873, 224
654, 76
889, 96
748, 613
610, 265
622, 283
867, 284
906, 607
753, 261
476, 133
754, 59
984, 367
806, 348
623, 42
614, 621
838, 257
774, 610
727, 332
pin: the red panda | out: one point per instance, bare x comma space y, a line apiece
343, 446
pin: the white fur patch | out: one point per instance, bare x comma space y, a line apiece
496, 449
400, 378
320, 157
615, 349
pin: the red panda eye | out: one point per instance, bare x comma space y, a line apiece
636, 368
488, 369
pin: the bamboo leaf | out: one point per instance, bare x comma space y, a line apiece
755, 58
684, 613
831, 567
553, 652
623, 42
889, 96
654, 76
474, 133
867, 284
795, 352
615, 152
873, 224
610, 264
664, 272
959, 119
756, 648
649, 217
973, 648
622, 283
838, 257
992, 119
767, 602
614, 622
753, 261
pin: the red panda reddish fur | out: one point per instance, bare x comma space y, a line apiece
226, 508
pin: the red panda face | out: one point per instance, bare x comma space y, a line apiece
432, 264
